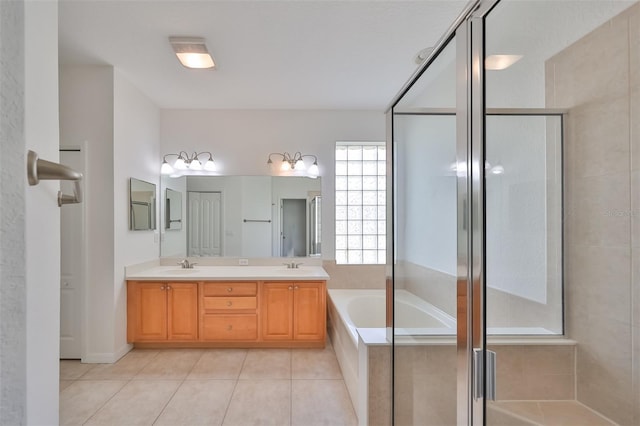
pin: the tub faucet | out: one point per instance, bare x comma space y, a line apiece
292, 265
186, 265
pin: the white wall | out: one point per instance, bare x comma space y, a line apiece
43, 214
427, 210
136, 126
241, 141
120, 127
86, 115
13, 182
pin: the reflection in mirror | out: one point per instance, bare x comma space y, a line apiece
247, 216
173, 210
142, 205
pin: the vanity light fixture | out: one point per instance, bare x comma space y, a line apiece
192, 52
295, 163
187, 162
500, 62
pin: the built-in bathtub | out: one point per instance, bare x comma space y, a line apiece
357, 322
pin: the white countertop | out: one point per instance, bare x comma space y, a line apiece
236, 273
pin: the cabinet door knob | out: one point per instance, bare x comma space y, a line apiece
161, 287
168, 287
296, 287
290, 288
230, 289
229, 303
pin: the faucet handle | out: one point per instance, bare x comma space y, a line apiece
191, 264
288, 265
296, 265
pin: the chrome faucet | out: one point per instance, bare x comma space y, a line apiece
292, 265
186, 265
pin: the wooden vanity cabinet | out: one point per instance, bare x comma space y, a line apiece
294, 311
229, 311
162, 311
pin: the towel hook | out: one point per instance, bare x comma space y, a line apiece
38, 170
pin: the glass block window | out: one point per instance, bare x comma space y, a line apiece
361, 202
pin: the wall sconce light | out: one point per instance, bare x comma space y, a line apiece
186, 162
295, 163
192, 52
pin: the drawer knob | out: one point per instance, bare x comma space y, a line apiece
229, 303
229, 327
230, 289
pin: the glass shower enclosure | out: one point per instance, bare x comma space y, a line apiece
513, 174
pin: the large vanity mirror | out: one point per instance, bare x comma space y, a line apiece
142, 205
246, 216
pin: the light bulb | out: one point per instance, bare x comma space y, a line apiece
285, 167
195, 164
166, 168
497, 169
180, 164
313, 170
210, 165
299, 165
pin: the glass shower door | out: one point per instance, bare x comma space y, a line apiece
426, 246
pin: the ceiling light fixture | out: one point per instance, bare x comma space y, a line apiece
295, 163
186, 162
192, 52
500, 62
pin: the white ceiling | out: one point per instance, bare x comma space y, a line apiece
294, 54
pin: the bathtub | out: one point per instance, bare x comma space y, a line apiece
357, 321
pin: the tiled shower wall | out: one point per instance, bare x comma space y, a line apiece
598, 80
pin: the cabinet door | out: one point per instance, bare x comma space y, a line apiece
182, 302
149, 309
277, 311
309, 311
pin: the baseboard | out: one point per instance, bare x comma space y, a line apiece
107, 357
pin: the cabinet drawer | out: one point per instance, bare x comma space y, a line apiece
230, 327
229, 303
230, 289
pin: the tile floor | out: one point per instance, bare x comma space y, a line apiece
207, 387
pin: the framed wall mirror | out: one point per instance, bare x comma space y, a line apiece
142, 205
244, 216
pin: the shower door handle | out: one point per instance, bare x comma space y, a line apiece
484, 370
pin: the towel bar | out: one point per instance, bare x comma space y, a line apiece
38, 170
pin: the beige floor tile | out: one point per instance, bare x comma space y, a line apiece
138, 403
267, 364
219, 364
81, 399
198, 402
73, 369
171, 364
321, 402
126, 367
260, 402
65, 384
564, 413
314, 364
